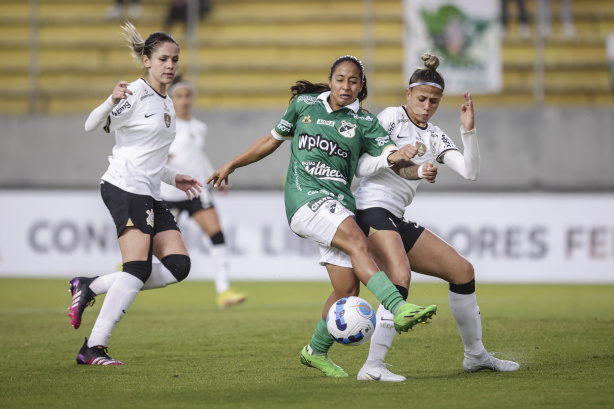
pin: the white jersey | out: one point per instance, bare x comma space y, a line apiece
386, 189
187, 156
144, 126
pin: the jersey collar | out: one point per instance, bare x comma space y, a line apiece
354, 106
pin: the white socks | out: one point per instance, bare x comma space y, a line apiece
219, 256
117, 301
160, 277
465, 311
467, 315
381, 340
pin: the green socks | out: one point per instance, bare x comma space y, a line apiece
321, 341
385, 292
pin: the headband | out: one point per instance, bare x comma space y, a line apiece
432, 84
181, 84
362, 67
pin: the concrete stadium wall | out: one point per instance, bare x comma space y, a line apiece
522, 149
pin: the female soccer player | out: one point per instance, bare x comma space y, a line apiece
400, 246
329, 132
143, 119
187, 156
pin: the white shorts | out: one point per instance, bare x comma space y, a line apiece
320, 225
334, 256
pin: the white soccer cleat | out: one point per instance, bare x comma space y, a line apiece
488, 361
379, 373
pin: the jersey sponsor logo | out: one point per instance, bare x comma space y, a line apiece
364, 118
307, 99
391, 128
382, 140
433, 142
447, 143
150, 217
147, 94
347, 129
167, 120
117, 111
324, 191
324, 172
284, 126
147, 116
315, 204
308, 142
325, 122
306, 120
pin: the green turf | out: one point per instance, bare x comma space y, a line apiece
181, 352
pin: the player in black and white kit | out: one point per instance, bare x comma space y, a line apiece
143, 119
398, 245
187, 155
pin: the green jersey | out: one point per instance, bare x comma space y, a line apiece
325, 149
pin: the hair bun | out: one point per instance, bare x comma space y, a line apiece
431, 61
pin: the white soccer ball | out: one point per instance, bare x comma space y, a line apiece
351, 321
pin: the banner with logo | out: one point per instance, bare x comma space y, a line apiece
466, 33
509, 238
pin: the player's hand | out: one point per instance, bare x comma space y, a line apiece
429, 172
189, 185
120, 92
467, 115
405, 153
220, 175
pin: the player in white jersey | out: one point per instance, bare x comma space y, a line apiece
187, 155
143, 119
400, 246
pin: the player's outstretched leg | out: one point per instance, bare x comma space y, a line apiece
321, 362
409, 315
82, 296
96, 355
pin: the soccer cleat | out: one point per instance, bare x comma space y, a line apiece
379, 373
229, 298
488, 361
82, 296
412, 314
95, 356
323, 363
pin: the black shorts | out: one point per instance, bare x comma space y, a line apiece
140, 211
191, 206
378, 218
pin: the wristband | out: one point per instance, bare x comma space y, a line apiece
420, 172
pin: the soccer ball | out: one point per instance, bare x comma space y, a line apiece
351, 321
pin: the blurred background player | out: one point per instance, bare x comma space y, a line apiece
329, 131
116, 11
187, 155
143, 120
400, 246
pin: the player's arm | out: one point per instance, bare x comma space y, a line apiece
98, 117
466, 164
260, 149
410, 171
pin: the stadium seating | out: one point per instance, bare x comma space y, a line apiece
250, 51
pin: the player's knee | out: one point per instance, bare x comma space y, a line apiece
218, 238
178, 264
139, 269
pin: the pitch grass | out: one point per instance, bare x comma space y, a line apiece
181, 352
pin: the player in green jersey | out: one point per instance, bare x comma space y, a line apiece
329, 132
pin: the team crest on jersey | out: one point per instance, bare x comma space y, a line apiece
347, 129
150, 217
307, 119
421, 148
167, 120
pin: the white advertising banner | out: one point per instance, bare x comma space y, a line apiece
466, 33
511, 238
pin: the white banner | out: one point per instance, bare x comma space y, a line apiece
527, 238
466, 33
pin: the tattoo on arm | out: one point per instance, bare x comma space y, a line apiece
407, 170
